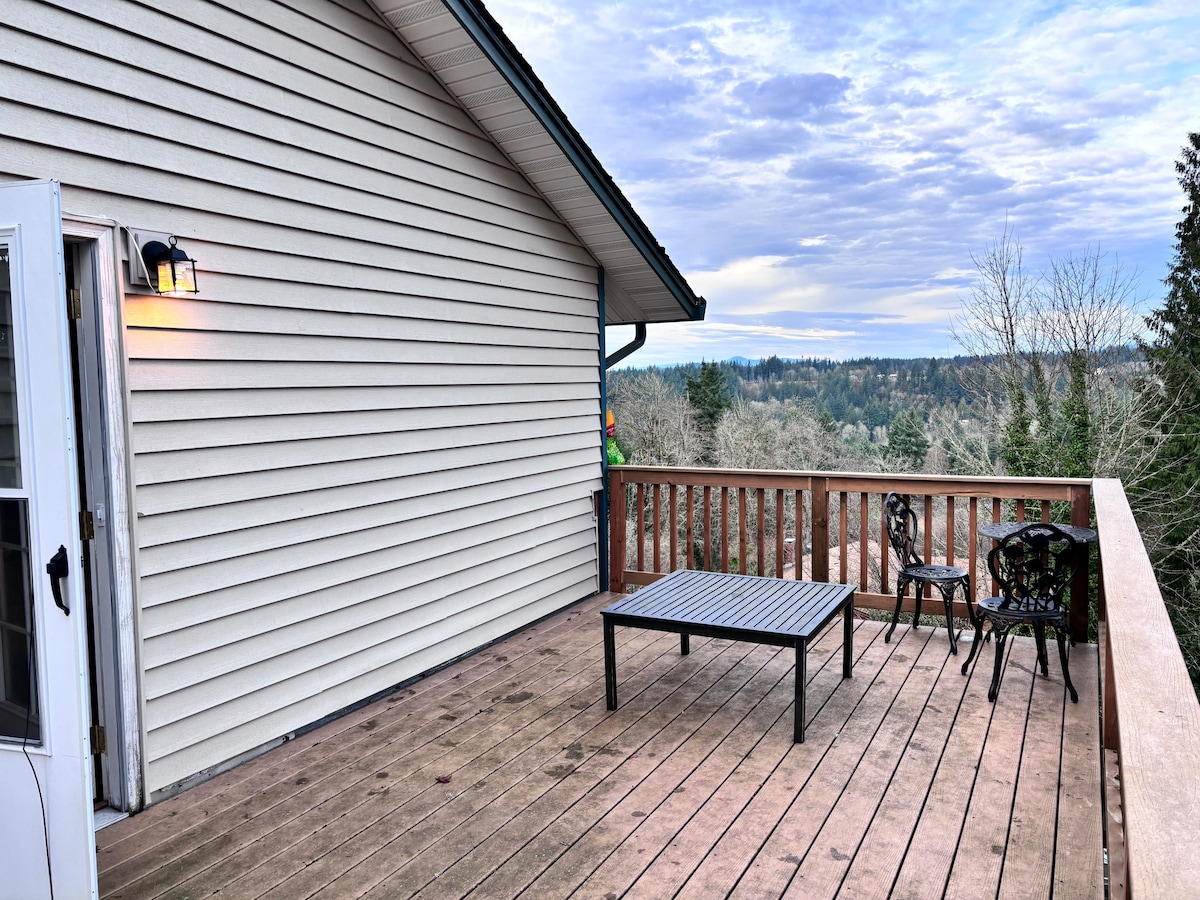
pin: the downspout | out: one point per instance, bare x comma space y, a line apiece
639, 339
602, 512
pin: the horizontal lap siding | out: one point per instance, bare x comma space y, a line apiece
372, 445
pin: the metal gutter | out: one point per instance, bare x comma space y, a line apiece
490, 37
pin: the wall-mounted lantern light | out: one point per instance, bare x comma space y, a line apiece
169, 268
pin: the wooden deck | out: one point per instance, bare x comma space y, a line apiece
504, 775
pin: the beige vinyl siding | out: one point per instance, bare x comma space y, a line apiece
370, 445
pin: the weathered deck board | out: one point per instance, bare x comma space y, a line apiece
909, 784
1079, 855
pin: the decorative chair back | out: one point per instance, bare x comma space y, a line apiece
902, 529
1034, 566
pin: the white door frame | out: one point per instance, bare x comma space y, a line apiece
125, 747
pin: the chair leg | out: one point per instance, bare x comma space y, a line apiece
918, 593
975, 641
1001, 635
967, 596
1039, 634
947, 589
1061, 634
901, 586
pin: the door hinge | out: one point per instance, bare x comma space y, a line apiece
87, 526
99, 743
74, 307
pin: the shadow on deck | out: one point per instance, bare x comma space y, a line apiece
504, 773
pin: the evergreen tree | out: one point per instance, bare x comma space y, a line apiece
709, 395
906, 439
1168, 501
1174, 352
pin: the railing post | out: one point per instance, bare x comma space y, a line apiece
616, 532
1081, 514
820, 529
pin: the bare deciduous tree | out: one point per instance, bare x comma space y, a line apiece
656, 422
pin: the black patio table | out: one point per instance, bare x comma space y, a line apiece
772, 611
998, 531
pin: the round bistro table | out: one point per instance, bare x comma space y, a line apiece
998, 531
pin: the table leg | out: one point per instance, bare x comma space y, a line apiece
848, 639
685, 646
801, 685
610, 664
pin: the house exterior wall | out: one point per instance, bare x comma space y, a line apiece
371, 446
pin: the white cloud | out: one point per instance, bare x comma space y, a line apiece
921, 129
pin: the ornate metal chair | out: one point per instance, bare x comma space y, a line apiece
1033, 567
902, 534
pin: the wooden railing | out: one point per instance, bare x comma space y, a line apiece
1151, 719
820, 525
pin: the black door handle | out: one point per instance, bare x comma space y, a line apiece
57, 569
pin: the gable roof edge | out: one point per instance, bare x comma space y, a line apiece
487, 33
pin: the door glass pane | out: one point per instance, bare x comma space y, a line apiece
10, 444
18, 695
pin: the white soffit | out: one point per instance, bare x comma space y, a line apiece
642, 285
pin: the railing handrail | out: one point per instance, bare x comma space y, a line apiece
1151, 714
716, 476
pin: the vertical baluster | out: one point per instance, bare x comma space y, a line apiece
641, 527
691, 526
864, 532
995, 518
708, 538
656, 531
673, 515
820, 528
1081, 504
760, 536
843, 540
1045, 510
743, 520
950, 530
973, 544
780, 527
798, 538
724, 529
927, 501
618, 523
1021, 510
885, 552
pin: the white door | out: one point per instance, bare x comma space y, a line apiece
47, 848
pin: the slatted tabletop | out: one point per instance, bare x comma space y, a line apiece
771, 611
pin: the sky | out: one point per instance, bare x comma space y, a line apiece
822, 171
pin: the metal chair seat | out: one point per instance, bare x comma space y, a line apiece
995, 608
